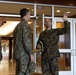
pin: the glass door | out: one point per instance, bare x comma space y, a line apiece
66, 43
65, 47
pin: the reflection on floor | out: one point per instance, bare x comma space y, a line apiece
8, 67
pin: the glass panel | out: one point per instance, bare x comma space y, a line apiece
59, 11
65, 62
31, 23
10, 21
38, 55
15, 8
64, 40
38, 63
38, 28
5, 49
47, 10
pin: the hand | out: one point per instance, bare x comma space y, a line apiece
38, 46
65, 16
32, 58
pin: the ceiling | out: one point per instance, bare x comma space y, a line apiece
63, 10
14, 8
7, 8
54, 2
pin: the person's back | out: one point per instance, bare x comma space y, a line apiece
22, 44
18, 41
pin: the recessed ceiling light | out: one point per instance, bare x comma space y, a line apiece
57, 10
32, 9
11, 35
29, 22
27, 8
37, 26
68, 12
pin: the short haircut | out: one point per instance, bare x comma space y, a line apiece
49, 19
23, 12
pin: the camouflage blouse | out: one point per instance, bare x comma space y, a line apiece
22, 37
50, 39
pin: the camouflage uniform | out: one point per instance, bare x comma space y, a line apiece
50, 55
0, 50
22, 36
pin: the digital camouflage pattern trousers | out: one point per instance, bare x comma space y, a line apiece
50, 66
22, 66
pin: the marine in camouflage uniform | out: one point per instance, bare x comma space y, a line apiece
22, 36
0, 50
22, 45
50, 55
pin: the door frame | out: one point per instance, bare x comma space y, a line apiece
74, 23
68, 50
54, 20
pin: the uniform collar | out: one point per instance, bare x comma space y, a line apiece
23, 20
48, 30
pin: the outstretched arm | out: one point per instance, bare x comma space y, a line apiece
66, 28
